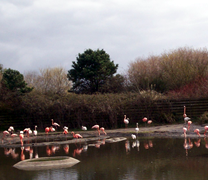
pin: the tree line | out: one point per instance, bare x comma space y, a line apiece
84, 90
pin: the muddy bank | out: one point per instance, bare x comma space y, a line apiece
55, 138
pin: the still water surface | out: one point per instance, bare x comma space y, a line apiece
145, 159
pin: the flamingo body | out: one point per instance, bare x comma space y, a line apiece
77, 136
55, 124
197, 132
184, 131
144, 119
47, 129
126, 121
103, 130
35, 132
137, 128
84, 128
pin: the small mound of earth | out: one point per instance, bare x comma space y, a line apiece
46, 163
116, 139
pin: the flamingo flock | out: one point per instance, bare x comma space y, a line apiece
100, 130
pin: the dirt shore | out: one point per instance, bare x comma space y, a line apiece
172, 130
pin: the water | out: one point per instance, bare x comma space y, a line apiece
145, 159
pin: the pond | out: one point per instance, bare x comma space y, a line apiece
146, 159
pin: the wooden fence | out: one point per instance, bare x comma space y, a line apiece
155, 111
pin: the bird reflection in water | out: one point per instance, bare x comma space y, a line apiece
14, 154
22, 155
146, 145
77, 151
187, 145
206, 142
7, 151
197, 143
127, 146
48, 151
66, 148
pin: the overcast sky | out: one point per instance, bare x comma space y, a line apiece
37, 34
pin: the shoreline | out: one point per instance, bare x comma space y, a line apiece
162, 131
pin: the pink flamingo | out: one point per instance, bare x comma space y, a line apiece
126, 121
13, 135
21, 136
189, 125
197, 132
77, 136
65, 131
97, 128
28, 131
184, 112
205, 128
5, 133
103, 130
11, 129
52, 129
55, 124
184, 131
186, 118
47, 129
144, 119
149, 121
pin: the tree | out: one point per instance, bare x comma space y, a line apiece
91, 71
49, 81
115, 84
13, 81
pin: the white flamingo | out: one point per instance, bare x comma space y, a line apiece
126, 121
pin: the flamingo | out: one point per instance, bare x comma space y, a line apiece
144, 119
137, 128
27, 131
35, 132
149, 121
96, 127
133, 136
77, 136
55, 124
52, 129
184, 131
84, 128
11, 129
197, 132
103, 130
189, 125
126, 121
5, 133
205, 128
21, 136
184, 112
65, 131
186, 118
47, 129
13, 135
